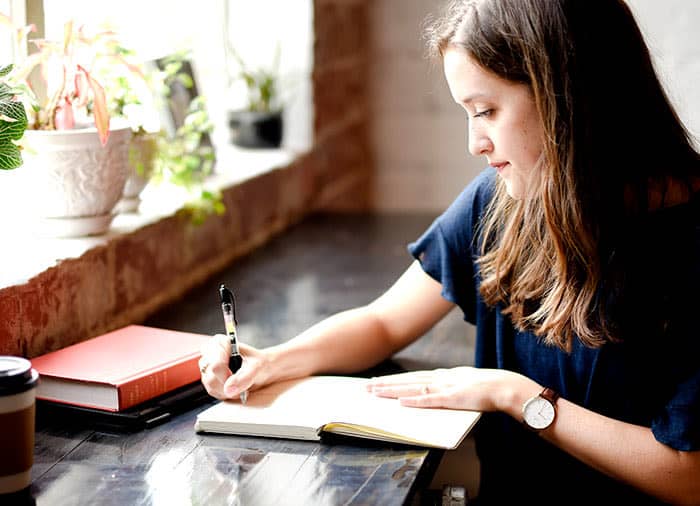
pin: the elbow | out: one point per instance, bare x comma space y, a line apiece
684, 487
390, 337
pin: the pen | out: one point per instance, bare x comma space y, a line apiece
228, 307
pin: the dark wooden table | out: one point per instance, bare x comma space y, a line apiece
326, 264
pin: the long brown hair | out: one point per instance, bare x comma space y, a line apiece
610, 136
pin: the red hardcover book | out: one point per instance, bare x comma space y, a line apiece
120, 369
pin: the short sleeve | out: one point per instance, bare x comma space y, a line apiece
679, 424
447, 250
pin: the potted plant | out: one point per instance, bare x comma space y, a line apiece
75, 157
260, 123
130, 96
180, 156
185, 161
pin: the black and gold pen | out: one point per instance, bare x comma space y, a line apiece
228, 307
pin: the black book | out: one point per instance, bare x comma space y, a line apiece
143, 416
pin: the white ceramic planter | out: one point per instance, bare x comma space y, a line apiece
75, 181
142, 151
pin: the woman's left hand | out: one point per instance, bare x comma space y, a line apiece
458, 388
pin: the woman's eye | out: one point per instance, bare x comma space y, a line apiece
483, 114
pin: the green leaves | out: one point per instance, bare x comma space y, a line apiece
261, 83
261, 90
208, 203
5, 70
186, 160
13, 123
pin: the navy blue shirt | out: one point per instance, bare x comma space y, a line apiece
650, 378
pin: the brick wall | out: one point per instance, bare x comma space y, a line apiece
419, 135
341, 124
129, 276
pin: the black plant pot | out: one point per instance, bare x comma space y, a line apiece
252, 129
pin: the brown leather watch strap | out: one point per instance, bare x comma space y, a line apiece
550, 395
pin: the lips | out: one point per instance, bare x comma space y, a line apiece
499, 166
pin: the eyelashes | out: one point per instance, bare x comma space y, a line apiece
483, 114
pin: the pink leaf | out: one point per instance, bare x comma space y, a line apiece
81, 89
134, 69
99, 106
64, 118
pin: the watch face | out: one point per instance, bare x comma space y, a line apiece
538, 413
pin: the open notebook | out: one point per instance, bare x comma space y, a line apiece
305, 408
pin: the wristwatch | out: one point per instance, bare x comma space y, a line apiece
540, 411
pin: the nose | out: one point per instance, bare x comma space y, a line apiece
478, 142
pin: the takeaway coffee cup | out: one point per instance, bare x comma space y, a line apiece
17, 406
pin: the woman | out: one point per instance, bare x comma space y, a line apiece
576, 253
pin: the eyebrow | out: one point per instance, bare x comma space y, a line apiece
470, 98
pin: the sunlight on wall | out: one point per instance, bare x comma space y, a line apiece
670, 29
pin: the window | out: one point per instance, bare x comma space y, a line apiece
155, 28
158, 27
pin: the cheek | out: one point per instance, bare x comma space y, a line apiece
531, 140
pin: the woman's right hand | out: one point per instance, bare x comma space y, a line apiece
217, 377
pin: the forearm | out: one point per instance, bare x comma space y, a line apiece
624, 451
357, 339
346, 342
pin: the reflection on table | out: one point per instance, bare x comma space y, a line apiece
326, 264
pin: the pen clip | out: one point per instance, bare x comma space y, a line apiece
228, 302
